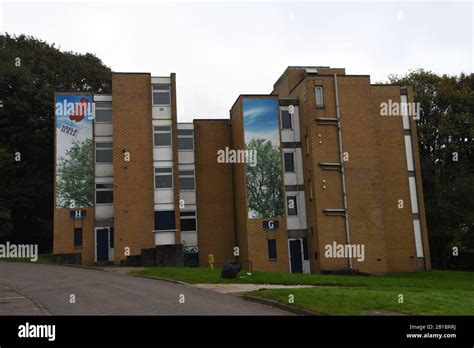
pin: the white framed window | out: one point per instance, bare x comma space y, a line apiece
286, 121
188, 221
289, 161
161, 94
185, 139
104, 152
186, 180
103, 112
163, 178
104, 193
162, 136
318, 90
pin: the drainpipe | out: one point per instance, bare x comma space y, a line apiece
343, 178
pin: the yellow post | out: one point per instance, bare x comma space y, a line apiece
211, 261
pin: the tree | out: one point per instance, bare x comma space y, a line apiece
446, 135
30, 72
75, 176
264, 191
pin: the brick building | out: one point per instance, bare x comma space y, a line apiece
335, 183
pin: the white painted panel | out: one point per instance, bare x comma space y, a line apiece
162, 154
409, 153
163, 164
111, 254
187, 167
413, 196
189, 197
164, 196
103, 139
161, 122
185, 157
418, 240
161, 112
104, 180
306, 267
290, 178
160, 80
102, 98
103, 129
104, 211
185, 126
161, 207
104, 170
189, 238
287, 136
164, 238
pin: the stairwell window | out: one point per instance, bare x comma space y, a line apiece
103, 153
185, 139
163, 178
104, 193
161, 95
286, 120
318, 90
289, 161
186, 180
162, 136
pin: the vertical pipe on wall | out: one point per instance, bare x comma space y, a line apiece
343, 179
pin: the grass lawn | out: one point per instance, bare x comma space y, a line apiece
429, 293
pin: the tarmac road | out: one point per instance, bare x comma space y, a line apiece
32, 289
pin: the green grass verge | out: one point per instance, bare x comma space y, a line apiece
428, 293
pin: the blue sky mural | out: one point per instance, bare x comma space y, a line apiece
261, 119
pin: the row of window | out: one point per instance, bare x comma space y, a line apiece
272, 249
162, 137
165, 221
164, 179
78, 234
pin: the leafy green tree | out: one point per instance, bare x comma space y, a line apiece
75, 176
264, 191
446, 137
31, 71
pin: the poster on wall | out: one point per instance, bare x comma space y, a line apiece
74, 150
262, 142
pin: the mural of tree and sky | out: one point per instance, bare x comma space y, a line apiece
261, 133
74, 154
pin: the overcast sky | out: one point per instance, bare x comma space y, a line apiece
220, 50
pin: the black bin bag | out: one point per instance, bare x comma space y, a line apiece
230, 269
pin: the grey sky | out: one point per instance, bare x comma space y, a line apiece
221, 50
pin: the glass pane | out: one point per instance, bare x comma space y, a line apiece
186, 172
161, 87
163, 181
285, 120
103, 105
186, 183
104, 156
162, 128
185, 132
161, 98
188, 224
162, 139
104, 145
185, 143
163, 170
103, 115
289, 162
104, 197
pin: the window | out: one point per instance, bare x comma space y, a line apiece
285, 120
161, 94
291, 205
103, 153
165, 220
272, 250
185, 139
186, 180
104, 193
78, 237
305, 248
289, 161
188, 221
163, 178
162, 135
103, 112
111, 233
319, 96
